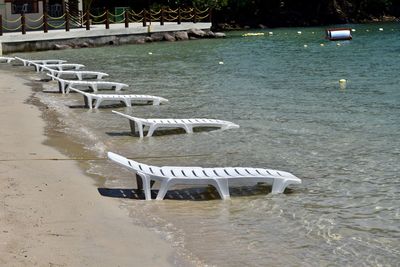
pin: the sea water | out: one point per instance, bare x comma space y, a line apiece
283, 90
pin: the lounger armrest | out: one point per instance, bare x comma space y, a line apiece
129, 117
79, 91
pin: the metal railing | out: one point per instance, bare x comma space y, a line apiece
46, 22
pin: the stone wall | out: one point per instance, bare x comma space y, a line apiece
191, 34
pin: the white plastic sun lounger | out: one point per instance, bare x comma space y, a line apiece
186, 124
78, 74
6, 59
28, 62
217, 177
39, 67
94, 85
97, 99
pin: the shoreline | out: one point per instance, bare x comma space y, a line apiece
51, 205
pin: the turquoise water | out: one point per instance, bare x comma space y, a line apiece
343, 143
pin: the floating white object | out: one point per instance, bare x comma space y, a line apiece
217, 177
305, 46
321, 44
253, 34
342, 83
353, 30
150, 53
338, 34
221, 63
299, 32
270, 33
380, 29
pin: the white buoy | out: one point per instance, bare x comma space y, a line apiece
305, 46
150, 53
221, 63
353, 30
381, 29
270, 33
342, 83
299, 32
338, 44
321, 44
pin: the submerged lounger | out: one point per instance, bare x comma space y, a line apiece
96, 99
217, 177
6, 59
79, 74
39, 67
186, 124
28, 62
64, 85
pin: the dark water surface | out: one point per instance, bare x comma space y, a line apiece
343, 143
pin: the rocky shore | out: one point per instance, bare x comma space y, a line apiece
191, 34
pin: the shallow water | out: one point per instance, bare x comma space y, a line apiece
343, 143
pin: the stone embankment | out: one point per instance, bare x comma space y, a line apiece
191, 34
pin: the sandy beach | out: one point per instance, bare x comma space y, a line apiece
51, 213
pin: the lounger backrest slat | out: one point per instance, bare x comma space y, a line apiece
243, 171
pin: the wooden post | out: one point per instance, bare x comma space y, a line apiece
45, 24
179, 15
1, 25
194, 15
126, 18
23, 23
67, 21
210, 14
162, 17
107, 20
144, 17
87, 16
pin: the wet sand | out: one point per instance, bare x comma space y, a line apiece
51, 213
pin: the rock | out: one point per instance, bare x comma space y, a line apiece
140, 41
84, 45
157, 37
196, 33
262, 26
220, 35
61, 47
148, 39
180, 36
168, 37
210, 34
192, 38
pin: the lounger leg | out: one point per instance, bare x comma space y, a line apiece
156, 102
128, 102
223, 188
79, 76
86, 100
188, 128
66, 89
98, 102
152, 128
60, 87
94, 87
279, 186
133, 125
146, 185
164, 187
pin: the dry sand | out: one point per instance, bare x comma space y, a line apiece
50, 212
